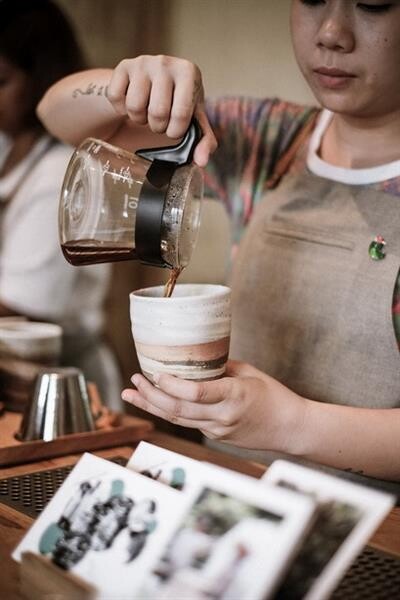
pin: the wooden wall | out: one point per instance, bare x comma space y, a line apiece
111, 30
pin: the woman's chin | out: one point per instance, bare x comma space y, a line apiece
340, 103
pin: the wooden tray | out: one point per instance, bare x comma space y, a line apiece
128, 430
40, 578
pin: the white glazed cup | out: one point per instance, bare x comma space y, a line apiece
186, 335
31, 341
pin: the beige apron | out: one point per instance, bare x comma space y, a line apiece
310, 307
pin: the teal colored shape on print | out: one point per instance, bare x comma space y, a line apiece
49, 538
178, 478
151, 525
117, 487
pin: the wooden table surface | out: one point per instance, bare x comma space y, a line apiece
13, 524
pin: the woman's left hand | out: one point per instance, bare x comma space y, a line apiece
246, 408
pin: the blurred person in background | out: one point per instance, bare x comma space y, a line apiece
37, 47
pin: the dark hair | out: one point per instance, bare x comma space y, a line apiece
37, 37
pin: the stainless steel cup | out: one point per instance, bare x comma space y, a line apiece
60, 405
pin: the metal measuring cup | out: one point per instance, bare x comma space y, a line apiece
60, 405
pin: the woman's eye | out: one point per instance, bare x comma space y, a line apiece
312, 2
376, 8
373, 8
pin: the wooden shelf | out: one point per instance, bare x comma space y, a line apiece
128, 430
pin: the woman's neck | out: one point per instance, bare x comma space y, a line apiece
21, 144
356, 143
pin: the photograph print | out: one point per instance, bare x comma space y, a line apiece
105, 524
234, 542
346, 516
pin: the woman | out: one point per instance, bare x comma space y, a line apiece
37, 47
318, 377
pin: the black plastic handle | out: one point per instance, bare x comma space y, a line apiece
149, 213
180, 154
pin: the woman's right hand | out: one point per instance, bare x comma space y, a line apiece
163, 92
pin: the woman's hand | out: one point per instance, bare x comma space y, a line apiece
246, 408
252, 410
163, 92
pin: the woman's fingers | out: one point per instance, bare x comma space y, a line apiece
134, 397
175, 405
159, 105
187, 86
117, 88
195, 392
137, 99
236, 368
208, 143
129, 90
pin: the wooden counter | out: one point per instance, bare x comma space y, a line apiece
13, 524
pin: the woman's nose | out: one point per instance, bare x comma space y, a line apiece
336, 32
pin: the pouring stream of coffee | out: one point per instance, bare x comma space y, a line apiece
169, 286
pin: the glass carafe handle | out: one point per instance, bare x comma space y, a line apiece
179, 154
149, 215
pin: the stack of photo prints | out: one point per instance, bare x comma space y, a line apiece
170, 527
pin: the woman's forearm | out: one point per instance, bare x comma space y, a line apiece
250, 409
146, 101
362, 440
77, 107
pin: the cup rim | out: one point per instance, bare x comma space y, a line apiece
144, 294
29, 329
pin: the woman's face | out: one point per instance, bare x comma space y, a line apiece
349, 53
15, 98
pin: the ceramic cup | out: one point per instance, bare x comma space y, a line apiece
31, 340
186, 335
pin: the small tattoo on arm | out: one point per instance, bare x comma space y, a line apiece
92, 88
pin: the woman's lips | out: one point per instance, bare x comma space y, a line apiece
333, 79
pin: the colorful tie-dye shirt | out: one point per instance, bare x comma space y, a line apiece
252, 135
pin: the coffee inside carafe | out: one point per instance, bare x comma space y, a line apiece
90, 252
